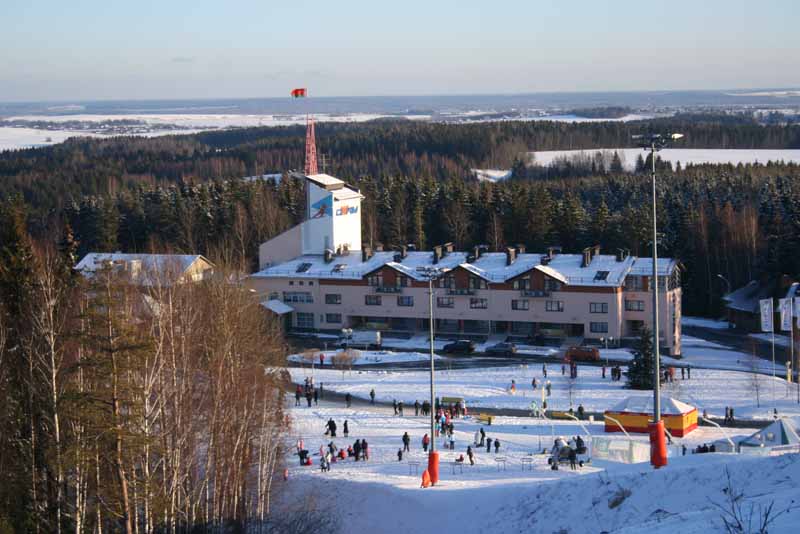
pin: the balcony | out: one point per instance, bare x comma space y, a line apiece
460, 291
388, 289
541, 293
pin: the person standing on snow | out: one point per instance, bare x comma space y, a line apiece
394, 405
316, 397
483, 438
400, 408
488, 445
471, 456
364, 449
406, 442
544, 369
372, 396
496, 445
416, 407
357, 449
549, 387
346, 430
348, 399
425, 442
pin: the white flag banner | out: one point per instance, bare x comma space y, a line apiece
785, 306
766, 314
797, 310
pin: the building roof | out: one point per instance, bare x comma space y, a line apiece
780, 432
603, 270
669, 406
746, 298
644, 266
326, 181
175, 264
278, 307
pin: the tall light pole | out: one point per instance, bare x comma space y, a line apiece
658, 454
432, 273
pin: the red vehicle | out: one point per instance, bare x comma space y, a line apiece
582, 354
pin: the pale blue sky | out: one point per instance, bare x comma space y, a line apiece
114, 49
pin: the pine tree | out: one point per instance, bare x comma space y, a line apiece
640, 371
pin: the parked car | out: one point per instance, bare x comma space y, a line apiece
361, 339
502, 349
462, 346
582, 354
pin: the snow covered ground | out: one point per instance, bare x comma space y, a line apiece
710, 390
781, 340
704, 323
383, 494
674, 155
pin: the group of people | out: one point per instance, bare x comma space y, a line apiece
359, 450
308, 390
616, 373
705, 448
729, 415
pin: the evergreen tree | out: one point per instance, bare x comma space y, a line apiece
640, 371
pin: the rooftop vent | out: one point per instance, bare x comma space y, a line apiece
448, 248
622, 254
511, 255
587, 257
520, 249
339, 267
366, 253
552, 251
437, 254
329, 255
403, 252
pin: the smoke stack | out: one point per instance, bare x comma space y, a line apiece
520, 249
437, 254
403, 252
511, 255
366, 253
448, 248
587, 257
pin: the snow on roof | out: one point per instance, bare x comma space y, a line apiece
780, 432
746, 297
141, 266
326, 180
644, 266
277, 306
669, 406
346, 193
603, 270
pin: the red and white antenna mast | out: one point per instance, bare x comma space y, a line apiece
311, 147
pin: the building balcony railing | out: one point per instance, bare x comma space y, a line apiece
535, 293
388, 289
460, 291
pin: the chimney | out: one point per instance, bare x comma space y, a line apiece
552, 251
595, 250
622, 254
437, 254
520, 249
587, 257
511, 255
448, 248
411, 247
328, 255
476, 252
403, 252
366, 253
378, 247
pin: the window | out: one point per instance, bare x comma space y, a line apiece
298, 296
301, 282
598, 307
375, 280
333, 317
598, 328
445, 302
554, 306
372, 300
405, 301
520, 305
634, 283
478, 304
477, 283
401, 281
333, 298
311, 282
291, 282
634, 305
601, 275
551, 285
522, 283
447, 281
304, 320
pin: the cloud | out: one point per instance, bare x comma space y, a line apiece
182, 59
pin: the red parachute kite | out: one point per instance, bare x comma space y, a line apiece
299, 93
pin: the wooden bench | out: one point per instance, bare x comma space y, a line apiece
501, 462
527, 462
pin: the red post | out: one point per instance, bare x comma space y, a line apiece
433, 467
658, 444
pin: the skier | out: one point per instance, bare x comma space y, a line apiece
348, 399
406, 442
425, 442
372, 396
471, 456
346, 430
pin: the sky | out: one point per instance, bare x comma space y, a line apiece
175, 49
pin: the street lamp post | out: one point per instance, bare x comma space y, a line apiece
658, 456
432, 273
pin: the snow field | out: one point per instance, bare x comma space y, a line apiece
383, 495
